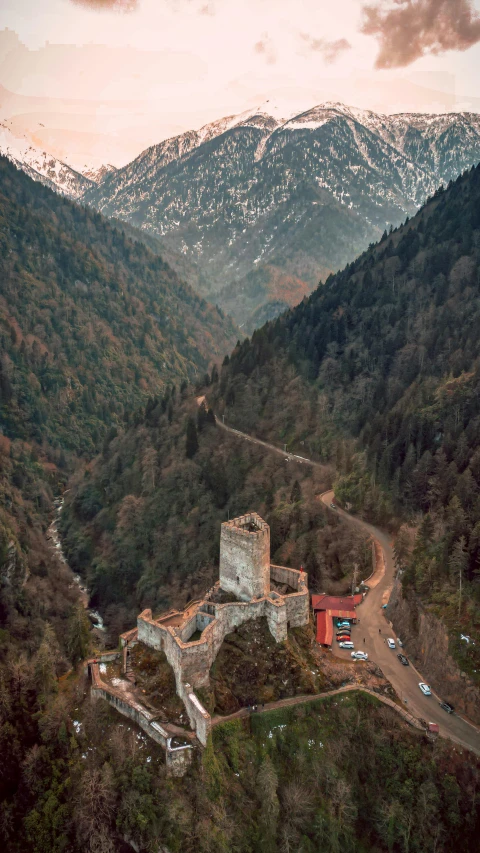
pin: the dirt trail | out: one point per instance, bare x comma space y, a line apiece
301, 700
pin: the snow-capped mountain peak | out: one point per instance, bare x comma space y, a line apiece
42, 166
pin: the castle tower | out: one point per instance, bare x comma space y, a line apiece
245, 556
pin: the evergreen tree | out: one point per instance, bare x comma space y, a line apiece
192, 439
78, 635
296, 493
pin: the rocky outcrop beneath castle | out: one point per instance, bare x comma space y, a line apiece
191, 661
426, 642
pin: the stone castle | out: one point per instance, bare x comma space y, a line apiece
249, 587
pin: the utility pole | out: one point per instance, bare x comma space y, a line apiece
460, 595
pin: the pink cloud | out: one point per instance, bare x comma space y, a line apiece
109, 5
330, 50
266, 48
409, 29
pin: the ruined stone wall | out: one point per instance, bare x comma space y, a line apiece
245, 557
297, 603
197, 622
188, 628
282, 574
200, 719
276, 613
189, 661
149, 632
178, 760
139, 715
298, 611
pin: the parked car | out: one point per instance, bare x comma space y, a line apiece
399, 642
424, 688
360, 655
343, 624
390, 643
333, 506
346, 644
342, 638
403, 659
344, 630
447, 707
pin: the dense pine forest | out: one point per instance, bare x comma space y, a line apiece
142, 524
382, 363
91, 321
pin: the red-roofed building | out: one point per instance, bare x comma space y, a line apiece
324, 628
344, 605
329, 607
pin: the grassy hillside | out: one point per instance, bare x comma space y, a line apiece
90, 321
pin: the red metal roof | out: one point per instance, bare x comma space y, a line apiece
324, 628
340, 614
335, 602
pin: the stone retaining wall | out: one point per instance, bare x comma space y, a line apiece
135, 711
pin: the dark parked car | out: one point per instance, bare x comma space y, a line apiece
403, 660
447, 707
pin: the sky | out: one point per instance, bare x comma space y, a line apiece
98, 80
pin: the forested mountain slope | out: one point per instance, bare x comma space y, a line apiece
387, 354
142, 522
266, 207
91, 322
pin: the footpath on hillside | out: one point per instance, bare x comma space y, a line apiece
301, 700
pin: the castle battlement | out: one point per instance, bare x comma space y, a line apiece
259, 589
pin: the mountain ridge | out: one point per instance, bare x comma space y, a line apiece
268, 195
302, 195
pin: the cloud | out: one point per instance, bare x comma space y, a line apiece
266, 48
330, 50
409, 29
109, 5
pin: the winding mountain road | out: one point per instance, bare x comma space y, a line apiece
373, 629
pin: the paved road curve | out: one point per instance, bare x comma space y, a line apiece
372, 621
403, 678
